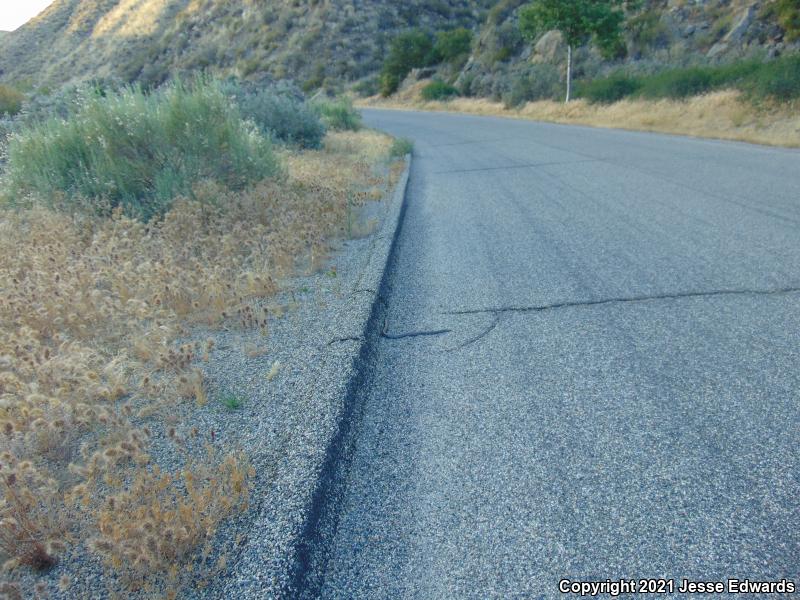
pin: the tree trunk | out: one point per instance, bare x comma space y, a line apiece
569, 73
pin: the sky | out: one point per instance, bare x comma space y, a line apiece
14, 13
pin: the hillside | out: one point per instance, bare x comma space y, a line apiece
338, 42
307, 40
661, 33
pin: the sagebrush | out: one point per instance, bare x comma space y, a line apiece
280, 112
139, 151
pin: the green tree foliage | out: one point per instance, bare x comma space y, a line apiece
408, 50
579, 21
789, 17
454, 44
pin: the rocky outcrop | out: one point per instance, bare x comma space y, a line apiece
549, 48
738, 32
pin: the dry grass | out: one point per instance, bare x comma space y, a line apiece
91, 316
722, 115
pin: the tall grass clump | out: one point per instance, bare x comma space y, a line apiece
139, 151
438, 90
678, 83
608, 90
10, 101
338, 114
401, 147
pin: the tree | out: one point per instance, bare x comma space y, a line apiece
452, 45
579, 21
408, 50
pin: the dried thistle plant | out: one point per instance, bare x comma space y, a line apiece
91, 316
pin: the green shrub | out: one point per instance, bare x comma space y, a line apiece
10, 101
788, 12
540, 82
779, 80
401, 147
139, 151
608, 89
453, 45
678, 83
438, 90
338, 114
734, 75
284, 118
409, 50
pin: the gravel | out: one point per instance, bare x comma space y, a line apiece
286, 425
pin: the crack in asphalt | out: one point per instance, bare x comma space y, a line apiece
631, 299
345, 339
499, 311
495, 322
413, 334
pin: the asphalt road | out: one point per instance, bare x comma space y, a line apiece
591, 368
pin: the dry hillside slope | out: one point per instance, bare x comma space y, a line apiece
308, 40
334, 43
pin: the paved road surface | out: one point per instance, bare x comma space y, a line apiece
618, 394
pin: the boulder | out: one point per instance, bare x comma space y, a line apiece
717, 49
741, 23
549, 48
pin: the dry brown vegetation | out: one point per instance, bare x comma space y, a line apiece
92, 316
722, 115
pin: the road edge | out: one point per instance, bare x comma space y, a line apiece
359, 322
795, 147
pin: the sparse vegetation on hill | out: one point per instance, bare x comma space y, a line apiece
788, 14
314, 43
477, 45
